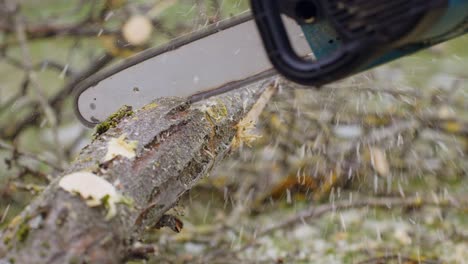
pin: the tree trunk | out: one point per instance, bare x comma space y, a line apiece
174, 145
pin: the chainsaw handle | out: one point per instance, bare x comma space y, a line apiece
369, 32
281, 54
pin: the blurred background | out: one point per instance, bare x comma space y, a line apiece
332, 177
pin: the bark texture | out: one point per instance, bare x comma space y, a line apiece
177, 144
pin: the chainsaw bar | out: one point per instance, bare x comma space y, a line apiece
221, 57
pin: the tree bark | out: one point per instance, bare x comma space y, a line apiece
177, 143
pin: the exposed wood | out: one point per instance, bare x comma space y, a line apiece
176, 145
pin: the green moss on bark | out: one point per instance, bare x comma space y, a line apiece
113, 120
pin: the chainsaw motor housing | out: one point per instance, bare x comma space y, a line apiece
350, 36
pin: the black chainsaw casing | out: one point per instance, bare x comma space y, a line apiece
363, 33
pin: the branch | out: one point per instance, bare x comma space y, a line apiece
386, 203
13, 130
174, 145
51, 30
315, 212
4, 145
399, 258
38, 89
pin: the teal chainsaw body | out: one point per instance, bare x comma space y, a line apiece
349, 36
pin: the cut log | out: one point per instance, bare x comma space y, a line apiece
142, 166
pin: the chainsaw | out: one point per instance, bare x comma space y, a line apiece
311, 42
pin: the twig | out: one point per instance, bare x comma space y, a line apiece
391, 91
6, 146
26, 170
5, 214
318, 211
31, 188
388, 203
13, 99
64, 69
27, 63
51, 30
141, 251
386, 259
56, 101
